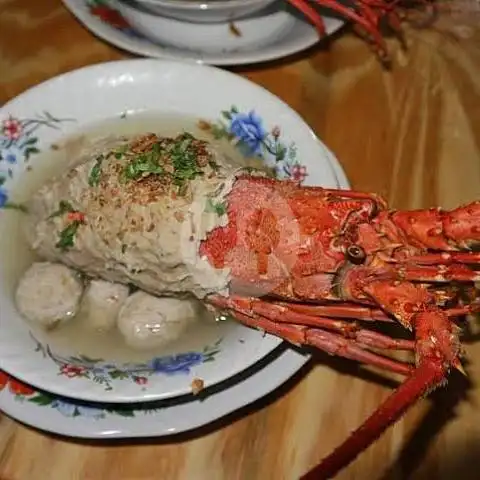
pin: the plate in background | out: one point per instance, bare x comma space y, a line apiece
103, 19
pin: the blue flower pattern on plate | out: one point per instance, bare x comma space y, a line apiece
181, 363
249, 129
248, 133
11, 155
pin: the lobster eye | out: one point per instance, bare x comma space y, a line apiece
356, 254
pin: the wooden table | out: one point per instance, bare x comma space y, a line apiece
411, 135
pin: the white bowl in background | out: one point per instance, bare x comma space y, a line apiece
213, 37
206, 11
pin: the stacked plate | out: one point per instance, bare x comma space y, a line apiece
220, 32
69, 391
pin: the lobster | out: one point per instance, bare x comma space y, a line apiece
322, 268
314, 266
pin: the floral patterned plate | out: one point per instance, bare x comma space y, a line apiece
255, 121
276, 33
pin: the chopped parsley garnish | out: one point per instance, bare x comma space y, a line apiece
143, 165
76, 218
219, 208
95, 172
67, 236
176, 161
184, 160
15, 206
63, 207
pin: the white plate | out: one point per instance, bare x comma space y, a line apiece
104, 20
48, 112
52, 414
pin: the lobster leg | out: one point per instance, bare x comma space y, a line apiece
311, 14
329, 342
366, 15
342, 311
314, 16
415, 308
283, 314
369, 314
464, 310
446, 258
350, 195
442, 273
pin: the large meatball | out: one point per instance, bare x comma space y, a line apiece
148, 322
49, 293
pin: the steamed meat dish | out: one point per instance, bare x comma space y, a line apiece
129, 211
49, 293
136, 214
146, 321
102, 302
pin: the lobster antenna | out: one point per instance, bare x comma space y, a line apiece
424, 379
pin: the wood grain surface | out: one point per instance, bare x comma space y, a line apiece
412, 135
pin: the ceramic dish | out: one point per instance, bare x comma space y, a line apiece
44, 115
212, 38
66, 417
103, 19
206, 11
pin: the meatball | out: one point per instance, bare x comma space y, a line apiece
101, 303
148, 322
48, 294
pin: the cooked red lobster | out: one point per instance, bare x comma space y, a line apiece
369, 17
317, 267
314, 266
